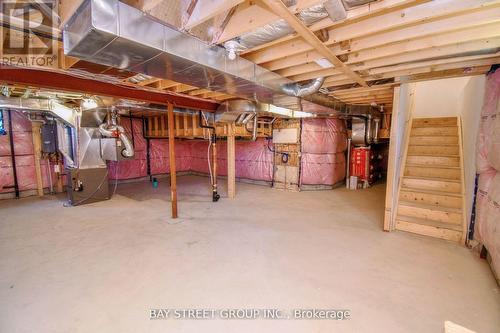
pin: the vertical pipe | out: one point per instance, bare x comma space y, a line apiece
132, 129
37, 149
13, 156
171, 152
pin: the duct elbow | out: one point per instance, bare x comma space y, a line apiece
128, 150
118, 131
299, 90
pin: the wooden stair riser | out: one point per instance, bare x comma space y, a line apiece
435, 131
433, 150
433, 172
433, 140
449, 201
447, 161
434, 122
433, 214
436, 185
442, 233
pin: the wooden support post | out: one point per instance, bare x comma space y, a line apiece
59, 182
37, 149
171, 152
231, 162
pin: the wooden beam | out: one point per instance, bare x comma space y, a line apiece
280, 9
37, 149
231, 163
171, 155
207, 9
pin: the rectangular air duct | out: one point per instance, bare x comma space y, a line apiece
111, 33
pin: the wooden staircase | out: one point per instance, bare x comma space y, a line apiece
431, 188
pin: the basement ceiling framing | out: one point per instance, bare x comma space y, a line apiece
375, 47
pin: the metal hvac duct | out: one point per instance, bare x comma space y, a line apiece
112, 33
65, 114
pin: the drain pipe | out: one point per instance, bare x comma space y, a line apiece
213, 143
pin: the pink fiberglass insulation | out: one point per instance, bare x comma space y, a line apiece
324, 136
488, 143
324, 142
253, 159
488, 218
487, 227
323, 169
484, 187
25, 160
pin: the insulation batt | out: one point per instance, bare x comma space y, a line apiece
487, 227
253, 159
25, 160
324, 142
488, 143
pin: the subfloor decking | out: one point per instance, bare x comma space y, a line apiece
101, 267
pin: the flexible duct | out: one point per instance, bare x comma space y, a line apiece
275, 30
299, 90
110, 131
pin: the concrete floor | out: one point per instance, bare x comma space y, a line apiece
101, 267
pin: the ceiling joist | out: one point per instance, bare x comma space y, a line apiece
281, 10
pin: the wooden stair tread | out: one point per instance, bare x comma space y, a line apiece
426, 135
431, 223
431, 155
435, 122
444, 194
434, 179
430, 206
441, 144
431, 166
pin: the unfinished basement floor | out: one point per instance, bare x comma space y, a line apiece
102, 266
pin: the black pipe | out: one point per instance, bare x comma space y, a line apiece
148, 150
215, 195
132, 131
13, 155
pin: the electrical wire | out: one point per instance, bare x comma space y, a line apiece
284, 156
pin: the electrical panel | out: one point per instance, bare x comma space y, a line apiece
49, 137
